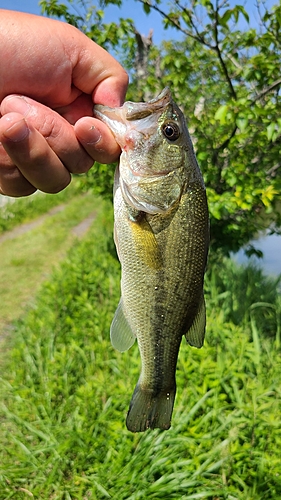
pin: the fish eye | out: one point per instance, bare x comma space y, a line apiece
171, 131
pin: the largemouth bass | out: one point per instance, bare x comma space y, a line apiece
161, 229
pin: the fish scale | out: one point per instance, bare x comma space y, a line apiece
162, 236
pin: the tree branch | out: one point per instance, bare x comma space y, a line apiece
219, 54
175, 23
221, 148
272, 171
197, 36
144, 44
267, 90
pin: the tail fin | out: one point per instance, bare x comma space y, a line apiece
150, 410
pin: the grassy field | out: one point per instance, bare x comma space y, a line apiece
27, 259
17, 211
65, 393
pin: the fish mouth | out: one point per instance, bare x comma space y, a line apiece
132, 119
141, 110
114, 119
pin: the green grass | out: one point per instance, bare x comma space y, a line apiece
66, 391
27, 259
244, 294
20, 210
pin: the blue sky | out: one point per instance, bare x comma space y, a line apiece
133, 10
130, 9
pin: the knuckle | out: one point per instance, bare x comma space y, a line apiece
50, 128
57, 187
82, 165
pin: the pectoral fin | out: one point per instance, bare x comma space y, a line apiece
196, 333
145, 242
121, 335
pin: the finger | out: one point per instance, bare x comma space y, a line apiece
111, 91
37, 164
82, 106
57, 131
97, 73
12, 182
61, 66
97, 139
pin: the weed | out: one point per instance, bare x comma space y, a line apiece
18, 210
28, 258
243, 294
66, 391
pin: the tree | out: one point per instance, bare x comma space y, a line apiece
227, 81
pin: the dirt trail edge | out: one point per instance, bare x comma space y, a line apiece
28, 226
16, 292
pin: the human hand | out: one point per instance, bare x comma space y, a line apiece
48, 129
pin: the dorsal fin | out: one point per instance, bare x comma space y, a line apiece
196, 333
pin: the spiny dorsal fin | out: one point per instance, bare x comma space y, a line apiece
196, 333
121, 335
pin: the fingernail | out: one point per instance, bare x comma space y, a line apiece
17, 132
91, 136
17, 104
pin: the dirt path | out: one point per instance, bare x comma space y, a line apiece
28, 226
77, 231
81, 229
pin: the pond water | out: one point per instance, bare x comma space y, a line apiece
270, 245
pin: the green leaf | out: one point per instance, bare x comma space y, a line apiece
270, 130
221, 113
242, 123
243, 12
146, 8
225, 18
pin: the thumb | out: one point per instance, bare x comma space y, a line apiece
97, 73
